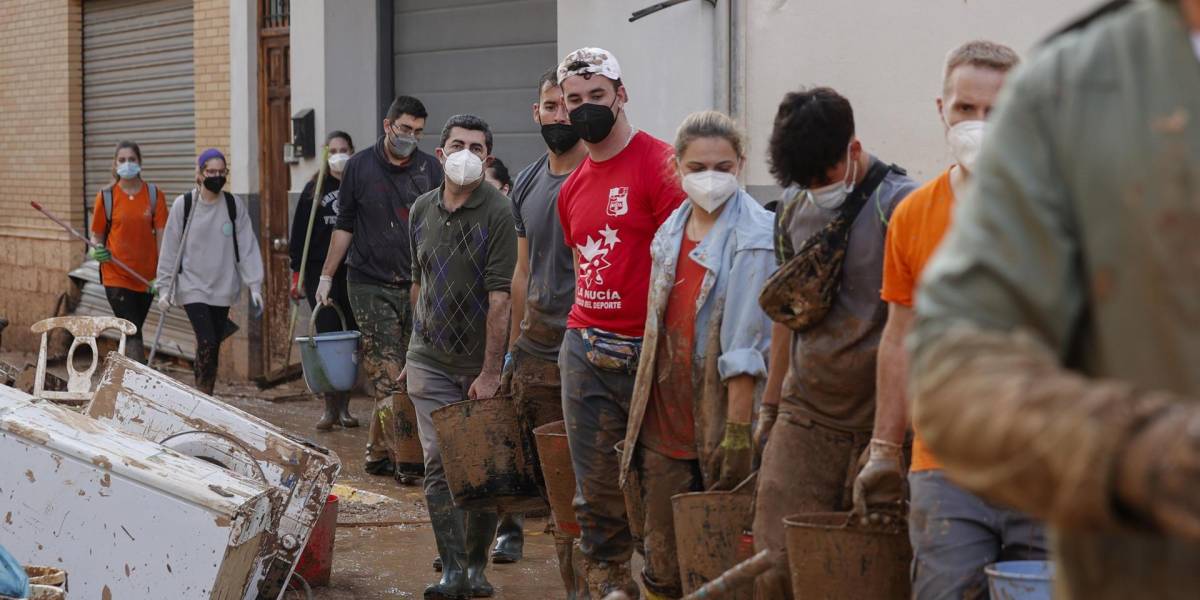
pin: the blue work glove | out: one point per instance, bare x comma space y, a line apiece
100, 254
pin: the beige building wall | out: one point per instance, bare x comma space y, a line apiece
41, 158
885, 57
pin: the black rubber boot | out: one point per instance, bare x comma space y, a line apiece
510, 539
481, 530
344, 418
383, 466
135, 350
330, 416
437, 564
450, 532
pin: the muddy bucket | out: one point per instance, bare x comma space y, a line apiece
708, 534
633, 498
330, 360
316, 561
484, 456
555, 455
406, 447
1021, 580
832, 556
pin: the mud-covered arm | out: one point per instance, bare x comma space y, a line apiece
997, 315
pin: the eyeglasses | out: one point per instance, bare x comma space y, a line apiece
214, 172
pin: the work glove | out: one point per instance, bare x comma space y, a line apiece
323, 287
767, 413
256, 302
1158, 472
153, 288
506, 373
164, 302
737, 456
100, 254
296, 293
880, 483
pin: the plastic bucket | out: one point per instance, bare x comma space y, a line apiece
486, 465
555, 455
633, 498
833, 556
708, 534
406, 448
316, 561
1021, 580
330, 360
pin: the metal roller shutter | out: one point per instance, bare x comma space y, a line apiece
488, 67
138, 85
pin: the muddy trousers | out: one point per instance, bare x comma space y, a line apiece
208, 323
596, 408
133, 307
384, 316
955, 534
662, 477
806, 467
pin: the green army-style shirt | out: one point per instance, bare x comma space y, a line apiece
1082, 229
458, 259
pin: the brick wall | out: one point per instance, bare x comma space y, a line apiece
41, 158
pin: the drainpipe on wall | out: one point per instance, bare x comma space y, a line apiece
737, 61
722, 22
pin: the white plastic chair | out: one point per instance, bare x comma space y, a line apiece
85, 330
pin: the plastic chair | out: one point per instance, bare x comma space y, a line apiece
85, 330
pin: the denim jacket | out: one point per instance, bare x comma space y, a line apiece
732, 335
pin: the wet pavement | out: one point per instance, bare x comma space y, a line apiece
384, 547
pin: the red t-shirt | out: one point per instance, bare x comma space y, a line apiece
669, 427
609, 212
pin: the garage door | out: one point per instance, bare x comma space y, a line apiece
481, 57
137, 85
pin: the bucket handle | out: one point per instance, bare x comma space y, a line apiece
748, 481
312, 321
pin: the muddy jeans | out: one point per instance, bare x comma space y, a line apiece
384, 316
955, 534
537, 391
208, 323
806, 467
430, 389
661, 478
596, 408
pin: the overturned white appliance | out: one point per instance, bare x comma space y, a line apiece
127, 518
146, 403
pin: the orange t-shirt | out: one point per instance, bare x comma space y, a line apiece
131, 238
669, 426
914, 232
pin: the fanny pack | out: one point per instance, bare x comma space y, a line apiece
611, 351
803, 289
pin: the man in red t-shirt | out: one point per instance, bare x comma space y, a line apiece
610, 208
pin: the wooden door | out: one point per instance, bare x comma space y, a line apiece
274, 130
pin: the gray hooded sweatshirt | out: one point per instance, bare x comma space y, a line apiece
209, 273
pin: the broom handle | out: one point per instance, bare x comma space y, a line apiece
312, 218
162, 314
75, 233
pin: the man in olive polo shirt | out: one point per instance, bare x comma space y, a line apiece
464, 248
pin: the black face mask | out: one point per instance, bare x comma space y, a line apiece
215, 183
593, 122
559, 137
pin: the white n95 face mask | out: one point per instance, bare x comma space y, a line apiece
463, 167
337, 162
833, 195
965, 139
709, 190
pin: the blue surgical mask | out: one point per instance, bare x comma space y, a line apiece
128, 170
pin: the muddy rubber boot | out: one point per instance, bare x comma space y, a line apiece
605, 577
563, 546
510, 539
437, 564
344, 418
330, 416
207, 384
450, 532
481, 530
135, 350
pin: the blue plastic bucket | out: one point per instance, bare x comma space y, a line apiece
1021, 580
330, 360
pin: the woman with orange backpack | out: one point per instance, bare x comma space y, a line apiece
127, 223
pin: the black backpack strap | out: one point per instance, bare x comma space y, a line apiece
863, 192
187, 212
107, 199
231, 206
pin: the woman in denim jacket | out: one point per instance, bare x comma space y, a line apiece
704, 355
